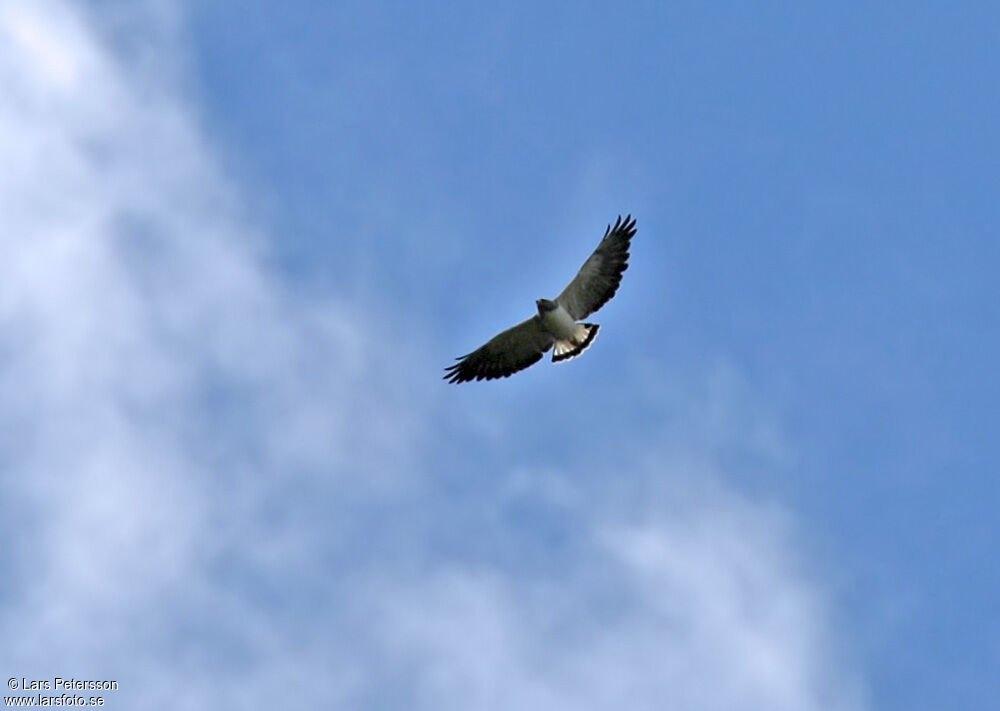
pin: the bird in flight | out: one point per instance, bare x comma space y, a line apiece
556, 323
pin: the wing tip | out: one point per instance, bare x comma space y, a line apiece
624, 226
462, 372
455, 373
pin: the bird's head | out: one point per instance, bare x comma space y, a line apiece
545, 305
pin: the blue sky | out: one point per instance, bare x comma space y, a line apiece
240, 243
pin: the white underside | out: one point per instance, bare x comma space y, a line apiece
559, 323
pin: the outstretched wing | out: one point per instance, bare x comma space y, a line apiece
506, 353
599, 277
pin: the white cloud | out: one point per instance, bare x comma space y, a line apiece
702, 607
151, 363
215, 490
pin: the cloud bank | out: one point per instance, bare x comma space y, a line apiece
220, 490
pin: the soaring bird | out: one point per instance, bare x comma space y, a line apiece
556, 323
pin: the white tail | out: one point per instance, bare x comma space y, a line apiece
577, 344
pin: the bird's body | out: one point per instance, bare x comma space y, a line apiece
557, 322
556, 319
570, 338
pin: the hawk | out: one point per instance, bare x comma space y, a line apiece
556, 323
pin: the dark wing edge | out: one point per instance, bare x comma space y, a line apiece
601, 275
504, 354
